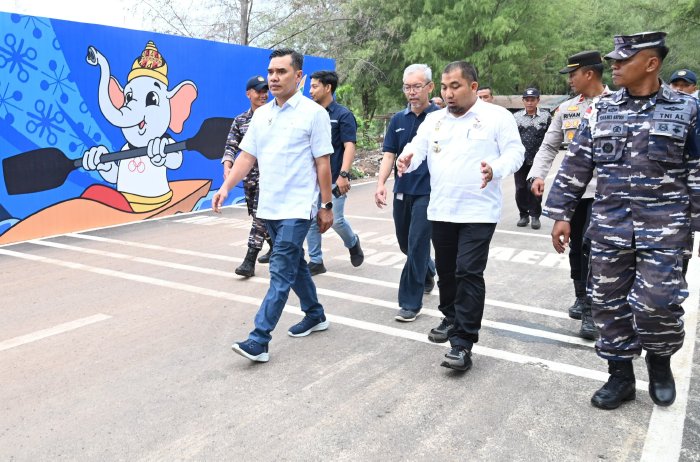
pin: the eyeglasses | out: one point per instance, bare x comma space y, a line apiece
417, 87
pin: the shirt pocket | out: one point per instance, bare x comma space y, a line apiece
666, 141
609, 141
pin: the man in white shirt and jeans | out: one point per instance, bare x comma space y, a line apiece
291, 139
470, 147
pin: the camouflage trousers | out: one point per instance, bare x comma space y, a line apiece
258, 230
636, 297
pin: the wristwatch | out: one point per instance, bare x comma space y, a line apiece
345, 174
327, 205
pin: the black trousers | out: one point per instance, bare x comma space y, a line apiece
461, 253
528, 204
579, 250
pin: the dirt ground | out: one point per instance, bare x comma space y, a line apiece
367, 162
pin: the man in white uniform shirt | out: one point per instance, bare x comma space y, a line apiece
291, 139
470, 147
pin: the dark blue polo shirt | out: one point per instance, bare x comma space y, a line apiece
402, 128
343, 129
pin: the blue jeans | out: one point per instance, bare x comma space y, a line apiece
288, 270
413, 232
340, 226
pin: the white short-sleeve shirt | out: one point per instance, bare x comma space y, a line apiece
286, 141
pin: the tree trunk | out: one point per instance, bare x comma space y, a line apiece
245, 20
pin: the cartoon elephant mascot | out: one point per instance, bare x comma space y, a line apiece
144, 109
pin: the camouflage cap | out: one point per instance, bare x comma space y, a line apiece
627, 46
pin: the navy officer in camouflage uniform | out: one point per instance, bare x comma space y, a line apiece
643, 143
256, 91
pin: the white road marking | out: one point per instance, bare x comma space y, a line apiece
500, 304
51, 331
327, 292
664, 438
393, 331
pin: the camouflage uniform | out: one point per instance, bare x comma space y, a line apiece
645, 153
258, 230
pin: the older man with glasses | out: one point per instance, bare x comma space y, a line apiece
411, 194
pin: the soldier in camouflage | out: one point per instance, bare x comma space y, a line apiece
643, 143
256, 92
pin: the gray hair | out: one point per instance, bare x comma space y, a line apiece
423, 68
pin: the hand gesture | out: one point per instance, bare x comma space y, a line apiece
486, 174
403, 162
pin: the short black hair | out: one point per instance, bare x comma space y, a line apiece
596, 68
468, 70
297, 58
327, 78
661, 52
485, 88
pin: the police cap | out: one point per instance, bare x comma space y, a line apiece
584, 58
627, 46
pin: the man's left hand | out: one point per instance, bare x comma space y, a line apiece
486, 174
324, 219
343, 185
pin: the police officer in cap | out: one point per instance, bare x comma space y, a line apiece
642, 141
585, 75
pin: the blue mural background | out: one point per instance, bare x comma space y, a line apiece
49, 96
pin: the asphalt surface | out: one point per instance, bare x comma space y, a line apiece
115, 344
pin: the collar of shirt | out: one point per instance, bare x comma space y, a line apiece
430, 108
293, 101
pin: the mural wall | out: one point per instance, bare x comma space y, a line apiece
102, 126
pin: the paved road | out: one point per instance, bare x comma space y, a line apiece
115, 345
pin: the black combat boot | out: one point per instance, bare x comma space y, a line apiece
588, 329
619, 388
576, 309
266, 257
662, 387
247, 268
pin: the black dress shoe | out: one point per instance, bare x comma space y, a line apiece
619, 388
662, 387
523, 222
429, 284
458, 359
316, 268
535, 223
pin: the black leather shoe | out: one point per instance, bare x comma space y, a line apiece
458, 359
523, 222
429, 284
247, 268
535, 224
316, 268
588, 328
265, 258
441, 333
619, 388
357, 256
662, 387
